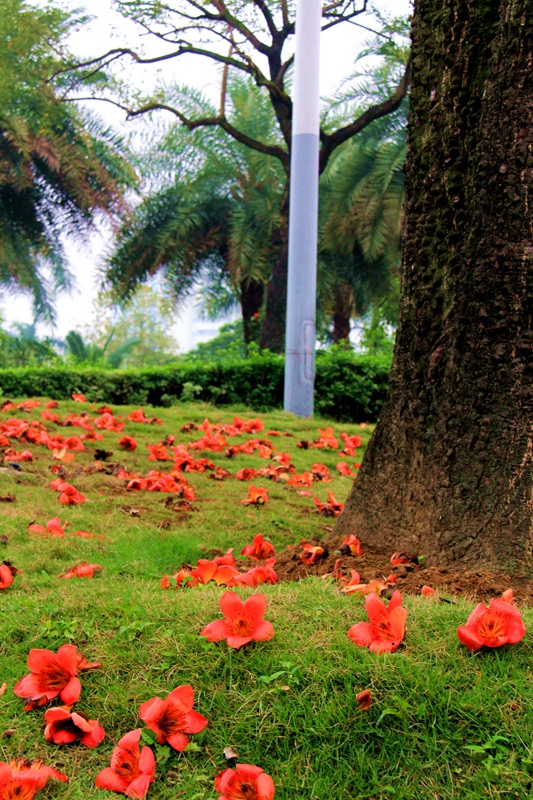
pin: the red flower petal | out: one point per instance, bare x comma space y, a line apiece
231, 604
255, 606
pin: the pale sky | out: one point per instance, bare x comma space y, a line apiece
339, 47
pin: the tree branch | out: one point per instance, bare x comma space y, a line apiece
333, 140
203, 122
262, 6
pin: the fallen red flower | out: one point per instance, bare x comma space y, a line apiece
206, 571
183, 577
78, 398
53, 527
127, 443
52, 404
12, 455
331, 508
64, 727
312, 553
260, 550
158, 453
220, 474
246, 474
245, 782
403, 558
375, 586
22, 779
83, 570
499, 624
386, 627
52, 675
427, 591
132, 769
305, 479
68, 494
364, 699
327, 439
344, 469
173, 717
6, 576
351, 545
508, 596
321, 473
242, 623
263, 573
257, 496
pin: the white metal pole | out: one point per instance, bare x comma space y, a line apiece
303, 214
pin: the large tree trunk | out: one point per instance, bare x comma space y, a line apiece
342, 313
273, 332
449, 469
252, 295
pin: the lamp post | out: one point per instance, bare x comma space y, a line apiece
303, 214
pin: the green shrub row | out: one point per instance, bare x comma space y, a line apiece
348, 387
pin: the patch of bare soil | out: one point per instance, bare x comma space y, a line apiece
480, 585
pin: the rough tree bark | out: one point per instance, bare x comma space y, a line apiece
273, 330
252, 295
449, 469
342, 313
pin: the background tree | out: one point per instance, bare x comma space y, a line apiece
449, 469
210, 214
212, 220
58, 167
361, 199
249, 39
135, 336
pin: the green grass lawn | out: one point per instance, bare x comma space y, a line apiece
443, 724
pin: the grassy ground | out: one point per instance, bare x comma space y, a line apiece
287, 705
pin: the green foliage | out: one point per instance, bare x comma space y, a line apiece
135, 334
214, 216
17, 351
227, 345
59, 167
348, 387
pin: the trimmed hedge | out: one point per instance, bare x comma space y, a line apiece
348, 387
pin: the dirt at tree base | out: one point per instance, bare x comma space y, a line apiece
479, 585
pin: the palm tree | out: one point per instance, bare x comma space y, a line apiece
217, 225
58, 167
360, 229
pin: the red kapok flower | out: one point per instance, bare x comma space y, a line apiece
132, 769
386, 627
508, 596
173, 717
246, 474
245, 782
351, 545
364, 699
21, 779
312, 552
260, 550
69, 495
242, 623
53, 674
257, 496
78, 398
500, 623
427, 591
127, 443
64, 727
6, 576
53, 527
83, 570
403, 558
